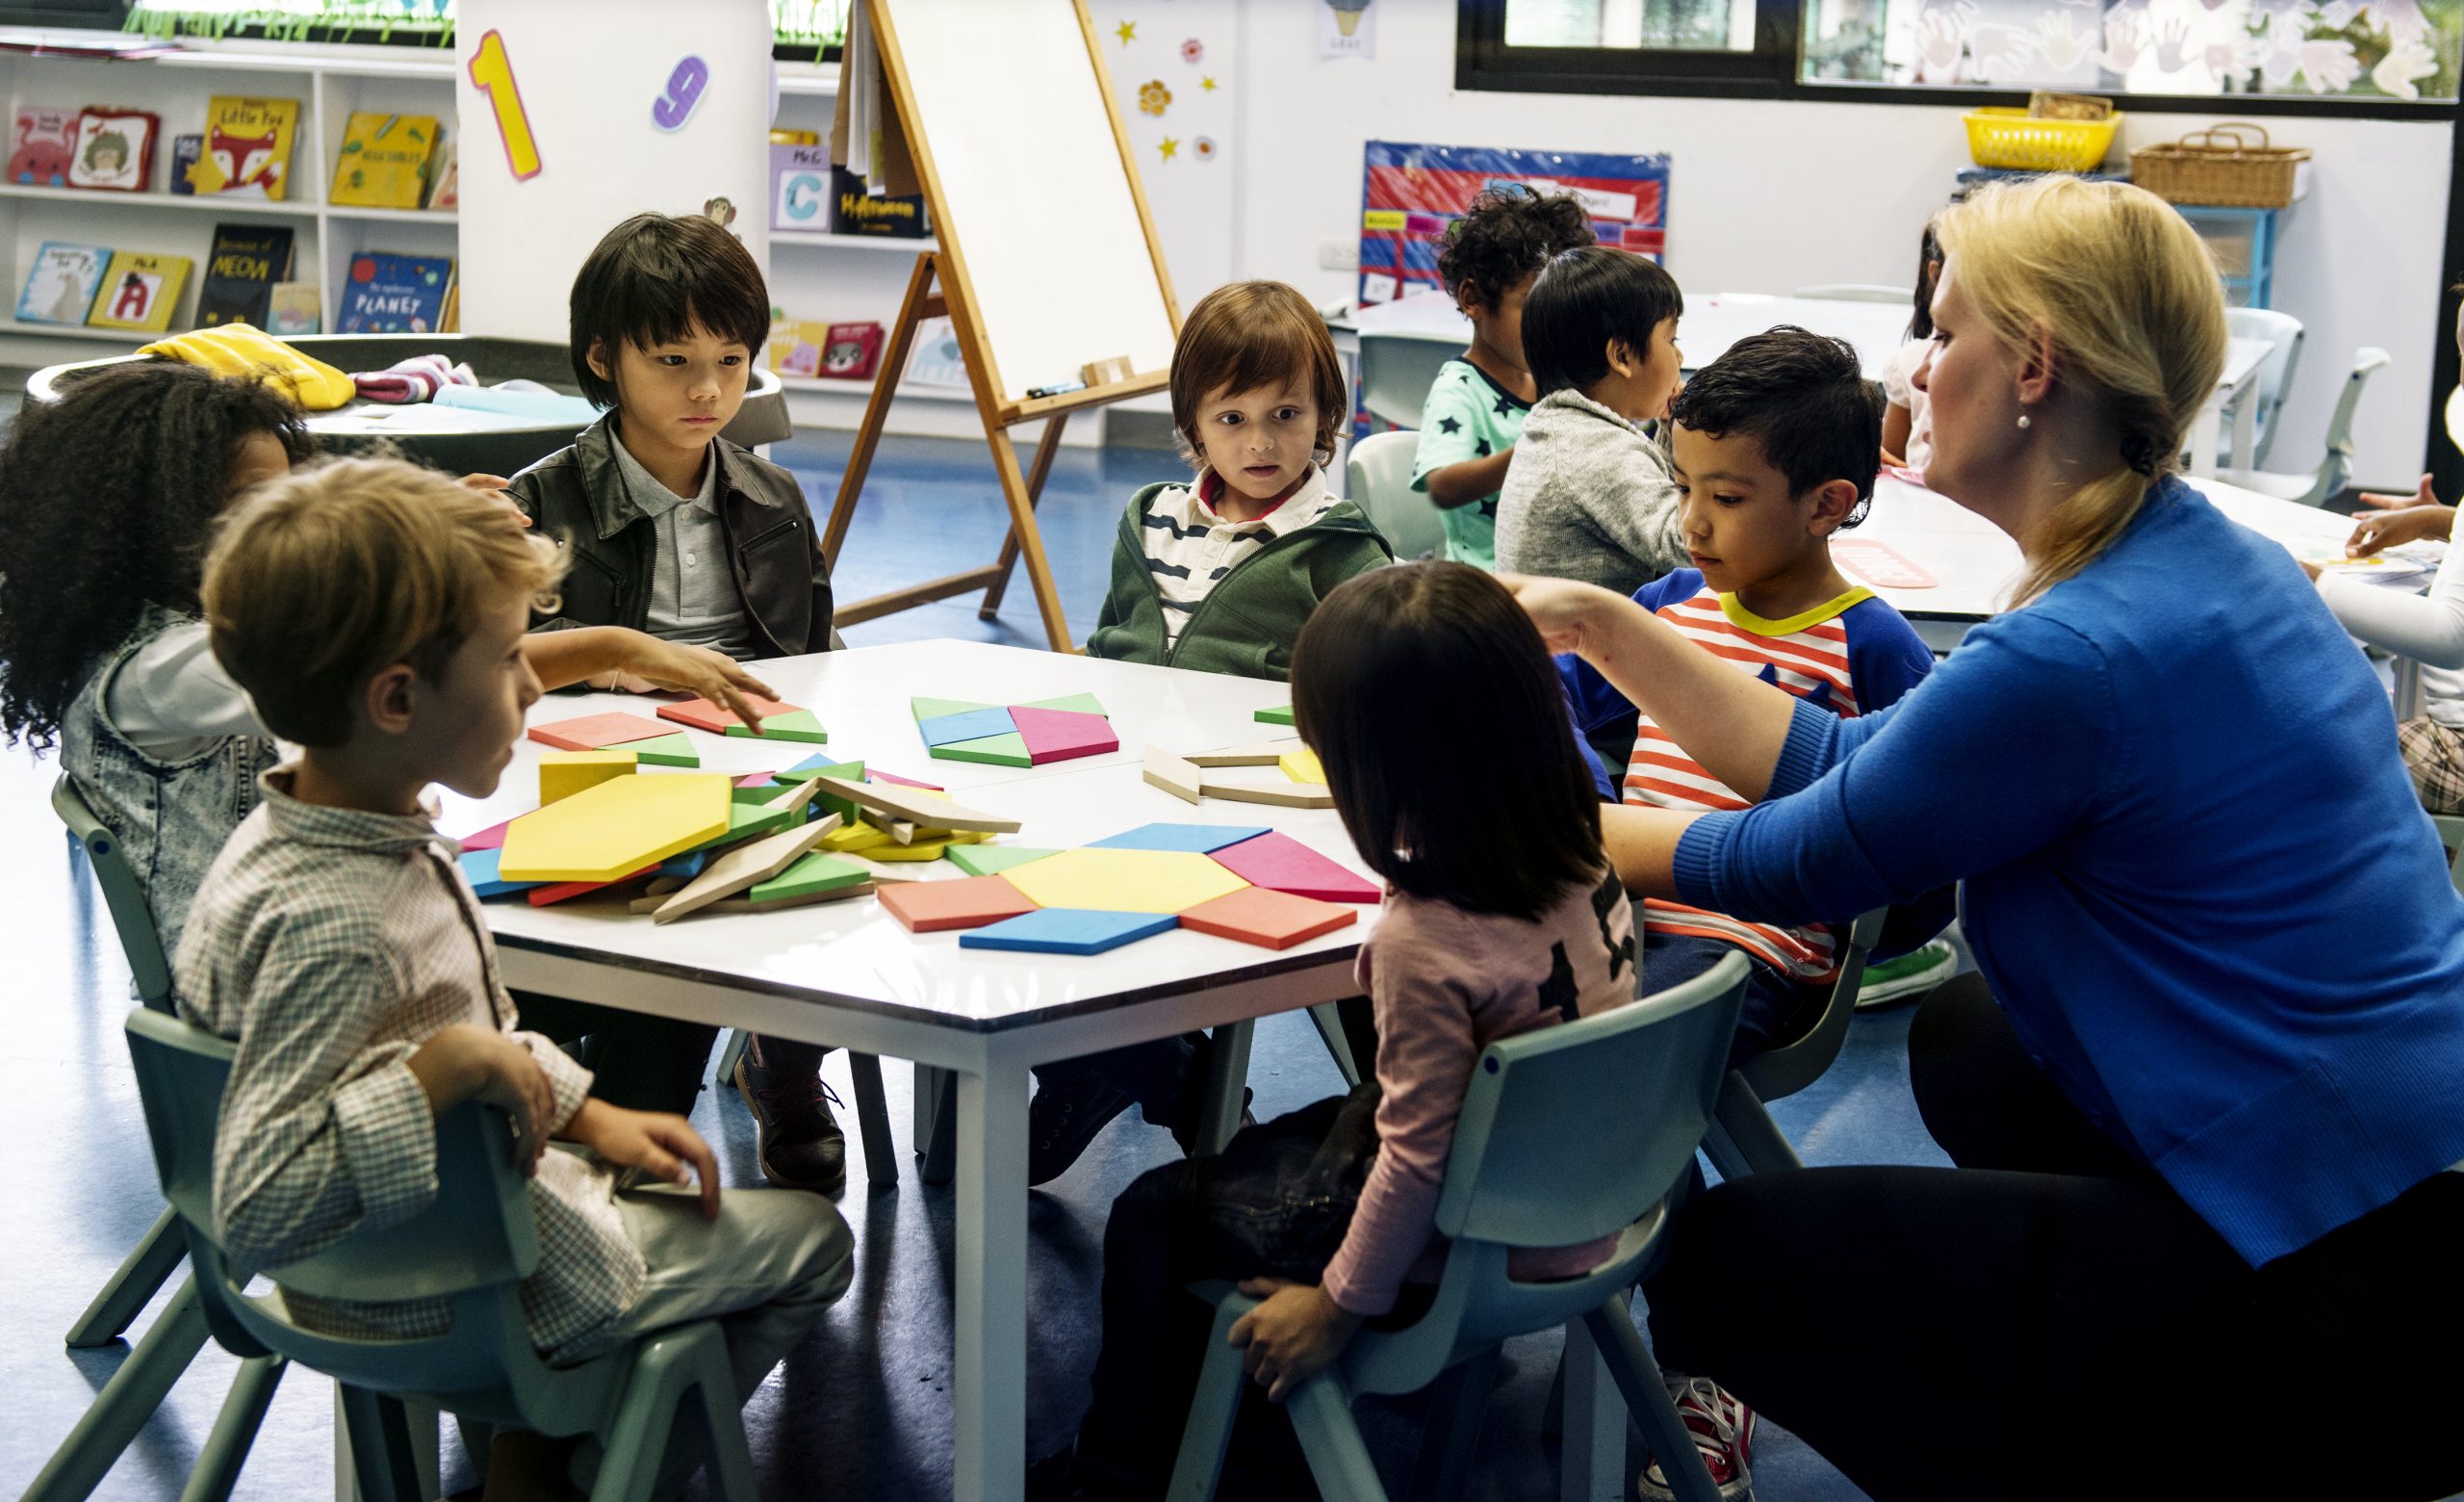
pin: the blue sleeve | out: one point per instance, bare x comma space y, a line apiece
1595, 700
1591, 761
2006, 747
1885, 657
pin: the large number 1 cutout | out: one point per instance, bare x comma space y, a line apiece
492, 73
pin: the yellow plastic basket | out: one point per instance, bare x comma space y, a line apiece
2010, 140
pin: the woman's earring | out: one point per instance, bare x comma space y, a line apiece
2023, 419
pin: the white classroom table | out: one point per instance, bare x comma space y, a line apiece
847, 974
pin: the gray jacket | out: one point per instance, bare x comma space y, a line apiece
1588, 495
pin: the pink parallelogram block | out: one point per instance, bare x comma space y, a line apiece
1058, 735
1279, 863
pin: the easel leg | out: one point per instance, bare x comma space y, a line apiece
1047, 446
911, 311
1022, 530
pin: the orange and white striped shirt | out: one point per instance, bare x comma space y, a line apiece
1848, 654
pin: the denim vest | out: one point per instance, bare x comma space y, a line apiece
171, 818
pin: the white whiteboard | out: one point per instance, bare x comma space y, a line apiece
1035, 199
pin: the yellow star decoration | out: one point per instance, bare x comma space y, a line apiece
1207, 84
1127, 31
1172, 147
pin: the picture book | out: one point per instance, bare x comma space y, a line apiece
799, 178
247, 147
292, 308
185, 152
387, 294
115, 151
247, 261
849, 351
445, 188
139, 290
855, 211
61, 285
384, 161
43, 147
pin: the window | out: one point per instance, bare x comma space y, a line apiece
806, 29
2386, 57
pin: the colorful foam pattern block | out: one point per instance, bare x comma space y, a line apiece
716, 719
605, 833
794, 725
1124, 881
593, 732
1015, 735
1280, 863
813, 873
479, 867
933, 906
1197, 839
1269, 920
676, 750
564, 773
1280, 715
1069, 931
989, 859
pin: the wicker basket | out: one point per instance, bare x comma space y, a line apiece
2007, 139
2221, 166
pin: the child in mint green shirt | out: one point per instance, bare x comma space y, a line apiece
1475, 412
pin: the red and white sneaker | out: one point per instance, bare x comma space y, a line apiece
1723, 1430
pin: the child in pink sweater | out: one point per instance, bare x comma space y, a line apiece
1501, 916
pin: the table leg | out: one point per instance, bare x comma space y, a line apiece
2246, 425
1227, 1077
2206, 432
935, 1161
990, 1320
1594, 1448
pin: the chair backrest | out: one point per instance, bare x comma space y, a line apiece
474, 1243
1378, 479
1860, 292
1574, 1132
2451, 839
1784, 1070
123, 893
2335, 469
1396, 370
2283, 333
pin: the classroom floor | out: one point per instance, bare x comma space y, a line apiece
862, 1410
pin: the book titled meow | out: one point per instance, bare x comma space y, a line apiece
240, 272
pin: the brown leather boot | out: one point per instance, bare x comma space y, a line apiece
802, 1145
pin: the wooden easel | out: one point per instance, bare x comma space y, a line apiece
939, 287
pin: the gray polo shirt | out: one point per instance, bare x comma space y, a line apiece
693, 597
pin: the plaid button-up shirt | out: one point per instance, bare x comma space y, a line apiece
331, 944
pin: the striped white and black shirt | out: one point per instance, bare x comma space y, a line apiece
1190, 548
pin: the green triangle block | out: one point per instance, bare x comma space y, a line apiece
984, 860
815, 767
756, 794
746, 819
676, 750
1277, 716
794, 725
1010, 750
1076, 704
935, 709
818, 872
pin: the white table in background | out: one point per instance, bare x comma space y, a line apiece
2237, 392
847, 974
1710, 324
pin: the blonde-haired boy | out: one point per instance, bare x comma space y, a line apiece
375, 614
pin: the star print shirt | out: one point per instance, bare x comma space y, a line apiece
1446, 983
1468, 416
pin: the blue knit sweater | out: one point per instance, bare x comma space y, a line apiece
2194, 870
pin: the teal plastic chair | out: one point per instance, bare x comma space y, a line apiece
1569, 1134
2335, 468
1378, 480
137, 1389
472, 1245
1743, 1139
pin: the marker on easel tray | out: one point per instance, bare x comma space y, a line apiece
1058, 389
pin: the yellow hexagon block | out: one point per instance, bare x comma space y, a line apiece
1124, 881
613, 830
564, 773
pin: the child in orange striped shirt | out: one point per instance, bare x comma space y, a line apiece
1776, 444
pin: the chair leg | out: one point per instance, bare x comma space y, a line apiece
1226, 1085
937, 1112
149, 1267
737, 1039
1450, 1434
1743, 1139
682, 1365
380, 1445
872, 1120
235, 1430
1330, 1029
1338, 1457
126, 1403
1630, 1363
1208, 1434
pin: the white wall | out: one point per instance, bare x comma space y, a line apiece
1767, 195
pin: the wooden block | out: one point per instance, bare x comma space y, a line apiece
564, 773
902, 781
1010, 750
928, 907
796, 799
676, 750
591, 731
548, 894
986, 860
1175, 775
1124, 881
622, 825
908, 804
1269, 920
816, 871
1275, 716
479, 867
742, 868
1061, 735
1197, 839
1067, 931
794, 725
654, 892
715, 718
944, 730
1262, 753
489, 839
1280, 863
862, 888
935, 709
1285, 796
1072, 703
885, 875
901, 831
1302, 767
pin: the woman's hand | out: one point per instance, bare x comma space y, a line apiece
1568, 613
654, 663
2378, 531
1294, 1335
662, 1146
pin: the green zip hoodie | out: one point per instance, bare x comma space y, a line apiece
1247, 622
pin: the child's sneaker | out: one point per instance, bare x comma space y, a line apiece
1723, 1430
1913, 974
1063, 1118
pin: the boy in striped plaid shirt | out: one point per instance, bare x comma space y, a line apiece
1775, 447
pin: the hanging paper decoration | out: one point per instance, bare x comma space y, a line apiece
671, 108
1170, 147
1192, 51
1153, 98
1127, 31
